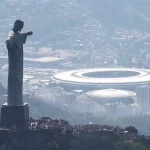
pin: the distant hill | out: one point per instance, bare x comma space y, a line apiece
115, 13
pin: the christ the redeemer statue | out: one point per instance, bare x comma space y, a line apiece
15, 111
14, 45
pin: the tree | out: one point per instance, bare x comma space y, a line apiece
131, 130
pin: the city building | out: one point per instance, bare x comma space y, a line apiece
143, 99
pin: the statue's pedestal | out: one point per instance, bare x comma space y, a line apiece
14, 115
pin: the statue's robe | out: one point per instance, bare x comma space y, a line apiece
14, 45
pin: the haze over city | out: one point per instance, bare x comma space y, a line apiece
84, 37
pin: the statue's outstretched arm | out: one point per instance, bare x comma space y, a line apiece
27, 33
24, 36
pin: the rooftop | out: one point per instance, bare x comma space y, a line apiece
110, 93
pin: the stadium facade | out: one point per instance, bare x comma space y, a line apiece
102, 78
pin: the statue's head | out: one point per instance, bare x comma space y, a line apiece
18, 25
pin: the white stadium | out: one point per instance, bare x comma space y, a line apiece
111, 96
101, 78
